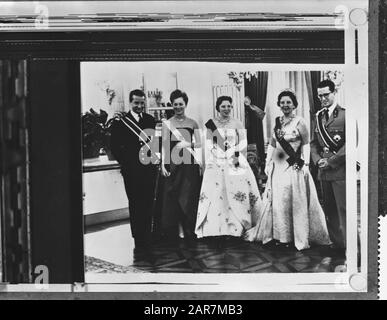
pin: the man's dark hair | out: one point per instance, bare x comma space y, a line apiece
327, 83
136, 92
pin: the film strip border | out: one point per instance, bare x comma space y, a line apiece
14, 171
47, 17
383, 108
302, 46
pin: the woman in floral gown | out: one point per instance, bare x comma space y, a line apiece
292, 213
229, 198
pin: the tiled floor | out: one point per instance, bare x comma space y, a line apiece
109, 249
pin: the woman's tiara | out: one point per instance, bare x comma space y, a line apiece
289, 90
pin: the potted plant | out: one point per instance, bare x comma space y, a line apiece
107, 134
96, 134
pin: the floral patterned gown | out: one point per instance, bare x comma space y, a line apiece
292, 212
229, 199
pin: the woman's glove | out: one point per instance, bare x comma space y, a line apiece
269, 161
268, 167
305, 169
164, 171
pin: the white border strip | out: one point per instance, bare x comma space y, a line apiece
81, 15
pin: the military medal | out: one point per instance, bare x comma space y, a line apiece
337, 138
296, 167
280, 134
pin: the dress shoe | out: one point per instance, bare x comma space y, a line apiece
140, 250
144, 254
332, 250
188, 241
284, 246
269, 245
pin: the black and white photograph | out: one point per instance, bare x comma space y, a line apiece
187, 146
242, 171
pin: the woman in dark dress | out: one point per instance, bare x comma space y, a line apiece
180, 169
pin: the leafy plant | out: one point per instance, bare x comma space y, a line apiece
95, 133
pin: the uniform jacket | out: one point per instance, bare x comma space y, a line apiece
336, 129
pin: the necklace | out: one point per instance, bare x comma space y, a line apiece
286, 120
180, 119
223, 122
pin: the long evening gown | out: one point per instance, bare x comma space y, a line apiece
181, 191
229, 198
291, 212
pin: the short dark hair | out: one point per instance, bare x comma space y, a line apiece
136, 92
289, 94
176, 94
327, 83
220, 100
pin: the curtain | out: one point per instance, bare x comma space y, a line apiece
256, 88
312, 79
277, 82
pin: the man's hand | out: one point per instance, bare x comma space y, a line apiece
323, 163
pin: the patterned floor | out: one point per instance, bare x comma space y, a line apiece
230, 255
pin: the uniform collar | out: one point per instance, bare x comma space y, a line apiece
331, 108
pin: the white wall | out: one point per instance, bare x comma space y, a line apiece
103, 191
195, 78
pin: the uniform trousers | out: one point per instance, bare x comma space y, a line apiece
334, 199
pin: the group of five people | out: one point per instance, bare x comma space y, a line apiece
221, 197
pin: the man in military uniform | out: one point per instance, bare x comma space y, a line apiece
328, 153
130, 133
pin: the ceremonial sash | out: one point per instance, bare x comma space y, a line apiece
327, 139
217, 137
294, 156
137, 131
178, 135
